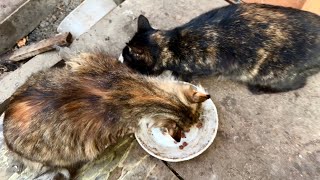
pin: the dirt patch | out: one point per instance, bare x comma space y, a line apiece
48, 27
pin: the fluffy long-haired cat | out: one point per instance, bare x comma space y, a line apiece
63, 117
269, 48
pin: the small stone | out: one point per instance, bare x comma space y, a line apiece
181, 147
42, 24
184, 144
66, 2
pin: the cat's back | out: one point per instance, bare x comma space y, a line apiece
64, 106
241, 38
67, 90
249, 14
89, 70
248, 27
289, 18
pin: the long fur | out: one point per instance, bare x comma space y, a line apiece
63, 117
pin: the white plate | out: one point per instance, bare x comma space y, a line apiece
162, 145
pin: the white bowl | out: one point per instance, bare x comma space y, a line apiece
163, 146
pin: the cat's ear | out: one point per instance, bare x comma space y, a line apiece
194, 96
143, 24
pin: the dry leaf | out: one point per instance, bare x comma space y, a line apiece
22, 42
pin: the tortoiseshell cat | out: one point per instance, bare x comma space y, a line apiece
63, 117
269, 48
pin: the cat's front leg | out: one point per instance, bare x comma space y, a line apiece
186, 77
175, 74
183, 77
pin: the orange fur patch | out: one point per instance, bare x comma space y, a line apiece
21, 113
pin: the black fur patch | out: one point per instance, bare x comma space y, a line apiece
260, 45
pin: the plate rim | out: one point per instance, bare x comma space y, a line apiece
193, 155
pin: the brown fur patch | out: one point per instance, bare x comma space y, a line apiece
21, 113
70, 115
166, 54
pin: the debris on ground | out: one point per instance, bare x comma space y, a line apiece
22, 42
48, 27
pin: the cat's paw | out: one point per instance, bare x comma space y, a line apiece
256, 90
17, 167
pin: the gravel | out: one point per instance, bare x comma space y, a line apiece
48, 27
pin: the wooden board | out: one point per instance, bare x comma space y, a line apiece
287, 3
312, 6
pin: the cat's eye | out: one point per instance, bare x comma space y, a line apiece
137, 52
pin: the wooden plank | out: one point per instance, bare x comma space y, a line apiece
312, 6
288, 3
25, 52
22, 21
9, 6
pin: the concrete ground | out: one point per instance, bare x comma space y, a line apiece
13, 22
7, 7
260, 136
